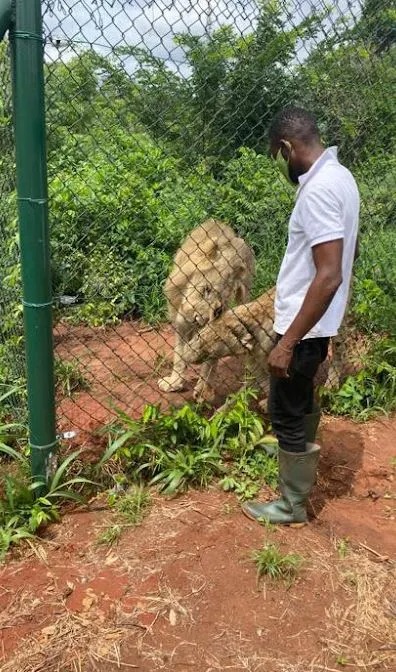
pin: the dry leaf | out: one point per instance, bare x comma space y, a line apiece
172, 617
49, 630
111, 560
88, 602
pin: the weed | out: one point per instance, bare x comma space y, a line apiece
341, 660
68, 377
130, 508
249, 473
227, 509
132, 505
270, 527
343, 547
11, 433
180, 468
22, 512
271, 562
109, 536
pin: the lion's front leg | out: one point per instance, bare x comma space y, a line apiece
258, 367
204, 390
176, 381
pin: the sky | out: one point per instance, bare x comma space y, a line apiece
104, 24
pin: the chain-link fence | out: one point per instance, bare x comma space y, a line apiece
158, 115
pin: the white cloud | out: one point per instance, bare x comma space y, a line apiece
80, 23
106, 24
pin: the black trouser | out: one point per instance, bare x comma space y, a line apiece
292, 398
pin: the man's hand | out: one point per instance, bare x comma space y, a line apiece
279, 360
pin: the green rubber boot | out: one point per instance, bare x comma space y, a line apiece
311, 423
297, 474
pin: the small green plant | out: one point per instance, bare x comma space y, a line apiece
68, 377
132, 505
341, 660
343, 547
271, 562
270, 527
248, 474
109, 536
130, 508
177, 469
11, 433
23, 513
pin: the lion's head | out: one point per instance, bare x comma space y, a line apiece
202, 303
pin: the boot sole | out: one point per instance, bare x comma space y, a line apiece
295, 525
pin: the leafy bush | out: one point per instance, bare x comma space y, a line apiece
182, 448
371, 390
23, 512
255, 199
117, 218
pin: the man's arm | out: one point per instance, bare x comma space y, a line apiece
328, 262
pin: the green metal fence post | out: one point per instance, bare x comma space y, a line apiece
30, 143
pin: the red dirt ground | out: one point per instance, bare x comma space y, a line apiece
180, 591
122, 365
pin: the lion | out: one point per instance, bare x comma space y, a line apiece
248, 330
212, 269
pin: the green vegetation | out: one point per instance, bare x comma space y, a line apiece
68, 377
130, 508
182, 448
272, 563
172, 451
23, 512
371, 390
343, 547
139, 157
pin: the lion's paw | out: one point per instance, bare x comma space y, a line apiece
171, 384
203, 393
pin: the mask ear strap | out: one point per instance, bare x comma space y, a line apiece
288, 146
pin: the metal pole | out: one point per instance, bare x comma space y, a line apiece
29, 123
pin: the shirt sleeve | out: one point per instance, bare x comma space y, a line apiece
321, 216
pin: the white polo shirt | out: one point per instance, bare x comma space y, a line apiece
327, 208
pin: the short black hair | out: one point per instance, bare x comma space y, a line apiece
294, 123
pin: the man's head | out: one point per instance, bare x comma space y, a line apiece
295, 141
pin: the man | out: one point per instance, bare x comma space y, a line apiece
311, 299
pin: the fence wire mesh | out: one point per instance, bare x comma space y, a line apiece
157, 116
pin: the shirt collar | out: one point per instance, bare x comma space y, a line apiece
329, 154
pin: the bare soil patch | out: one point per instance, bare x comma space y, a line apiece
180, 591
